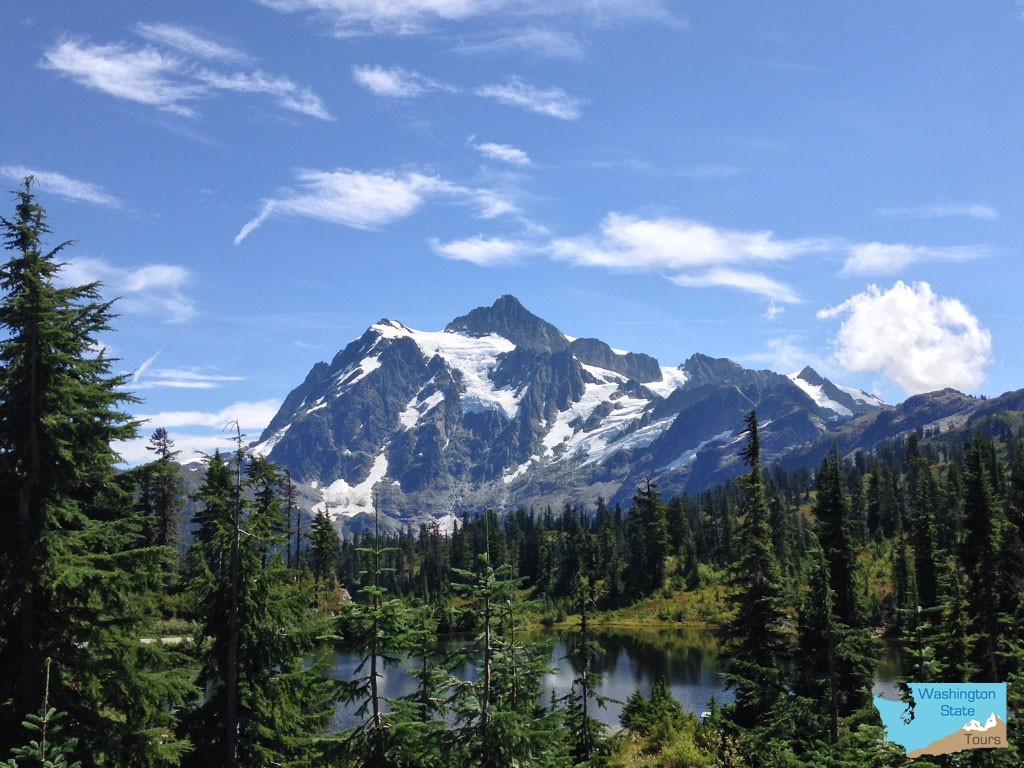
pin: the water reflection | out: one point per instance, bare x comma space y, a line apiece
627, 661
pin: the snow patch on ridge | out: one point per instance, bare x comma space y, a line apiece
418, 407
340, 499
687, 456
474, 357
671, 380
862, 397
817, 394
264, 448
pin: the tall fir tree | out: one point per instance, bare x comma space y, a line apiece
76, 580
265, 703
979, 553
755, 642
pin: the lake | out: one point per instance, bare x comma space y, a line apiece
630, 659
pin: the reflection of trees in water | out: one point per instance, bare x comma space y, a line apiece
638, 659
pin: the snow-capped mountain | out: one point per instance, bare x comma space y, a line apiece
501, 408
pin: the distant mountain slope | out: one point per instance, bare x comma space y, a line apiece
501, 408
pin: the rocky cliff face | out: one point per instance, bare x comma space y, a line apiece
500, 408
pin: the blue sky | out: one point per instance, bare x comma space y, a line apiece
778, 183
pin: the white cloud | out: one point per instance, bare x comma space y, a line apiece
504, 152
920, 340
369, 200
396, 83
155, 289
553, 102
249, 415
773, 311
147, 76
59, 184
942, 211
147, 377
546, 43
191, 43
287, 94
356, 17
190, 430
168, 81
483, 251
631, 243
892, 258
750, 282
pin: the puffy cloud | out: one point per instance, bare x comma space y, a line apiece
553, 102
504, 152
154, 289
750, 282
369, 200
249, 415
396, 83
893, 258
942, 211
484, 252
918, 339
190, 430
59, 184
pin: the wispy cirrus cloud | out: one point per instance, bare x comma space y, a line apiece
169, 78
369, 200
396, 83
191, 43
348, 18
506, 153
941, 211
893, 258
146, 75
542, 42
148, 377
152, 290
635, 244
286, 93
58, 184
553, 102
919, 339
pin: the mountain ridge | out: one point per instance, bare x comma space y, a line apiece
500, 408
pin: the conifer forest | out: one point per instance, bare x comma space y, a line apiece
124, 643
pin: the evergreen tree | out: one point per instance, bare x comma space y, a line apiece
379, 628
76, 581
324, 550
754, 640
163, 493
265, 703
979, 555
649, 539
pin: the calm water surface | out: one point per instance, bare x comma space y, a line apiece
629, 660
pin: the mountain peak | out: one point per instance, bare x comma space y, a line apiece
508, 318
811, 376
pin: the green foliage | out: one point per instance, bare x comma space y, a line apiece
76, 579
755, 642
256, 632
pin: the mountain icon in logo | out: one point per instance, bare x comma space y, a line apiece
973, 735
